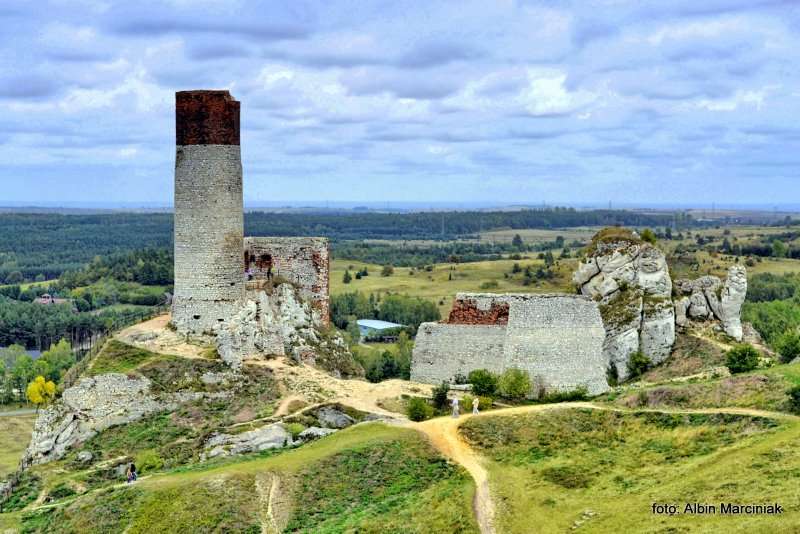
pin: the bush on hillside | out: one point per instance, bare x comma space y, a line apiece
638, 364
742, 358
788, 346
483, 382
418, 409
440, 395
514, 384
794, 399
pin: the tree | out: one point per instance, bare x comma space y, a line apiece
484, 382
439, 395
40, 391
516, 268
21, 374
353, 329
347, 278
517, 241
779, 249
514, 384
418, 409
794, 399
742, 358
638, 364
387, 270
788, 346
648, 236
15, 277
59, 358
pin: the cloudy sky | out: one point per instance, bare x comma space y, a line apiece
509, 101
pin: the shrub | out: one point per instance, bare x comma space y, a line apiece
789, 346
484, 403
742, 358
483, 382
387, 270
418, 409
440, 395
794, 399
648, 236
638, 364
149, 461
577, 394
514, 384
294, 429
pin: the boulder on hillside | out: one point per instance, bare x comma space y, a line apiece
709, 298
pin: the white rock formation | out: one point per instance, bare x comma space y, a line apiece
272, 325
90, 406
631, 282
273, 436
709, 298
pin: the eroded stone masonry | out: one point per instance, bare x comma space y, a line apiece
558, 339
302, 261
256, 296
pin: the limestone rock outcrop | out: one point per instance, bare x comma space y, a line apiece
631, 282
283, 324
273, 436
709, 298
89, 407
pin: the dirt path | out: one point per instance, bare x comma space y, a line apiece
155, 336
443, 434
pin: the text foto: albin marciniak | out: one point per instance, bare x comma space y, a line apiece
725, 508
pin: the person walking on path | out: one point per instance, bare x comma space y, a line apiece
132, 473
475, 403
454, 404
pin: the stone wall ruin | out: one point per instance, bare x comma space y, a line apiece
302, 261
557, 339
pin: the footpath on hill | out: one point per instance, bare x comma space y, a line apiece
310, 387
444, 435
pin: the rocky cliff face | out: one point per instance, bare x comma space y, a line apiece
709, 298
631, 282
282, 324
641, 309
91, 406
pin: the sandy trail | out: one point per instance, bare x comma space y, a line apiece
154, 336
444, 435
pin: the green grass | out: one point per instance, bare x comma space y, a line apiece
763, 389
117, 357
441, 284
376, 479
15, 433
547, 470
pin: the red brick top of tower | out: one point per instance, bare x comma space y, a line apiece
206, 118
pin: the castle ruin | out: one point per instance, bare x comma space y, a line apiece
215, 266
557, 339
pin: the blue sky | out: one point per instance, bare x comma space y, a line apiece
583, 101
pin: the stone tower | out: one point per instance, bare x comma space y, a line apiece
209, 215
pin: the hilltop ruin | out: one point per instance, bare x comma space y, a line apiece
557, 339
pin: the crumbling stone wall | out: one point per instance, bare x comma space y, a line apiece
303, 261
558, 339
442, 351
209, 215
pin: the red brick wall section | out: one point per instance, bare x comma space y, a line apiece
206, 118
467, 312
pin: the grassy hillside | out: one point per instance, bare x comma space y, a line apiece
15, 432
764, 389
602, 470
370, 478
442, 283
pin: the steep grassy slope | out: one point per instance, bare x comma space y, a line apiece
765, 389
15, 431
370, 478
601, 470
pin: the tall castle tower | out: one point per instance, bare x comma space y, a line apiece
209, 211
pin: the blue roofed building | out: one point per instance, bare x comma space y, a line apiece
374, 327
